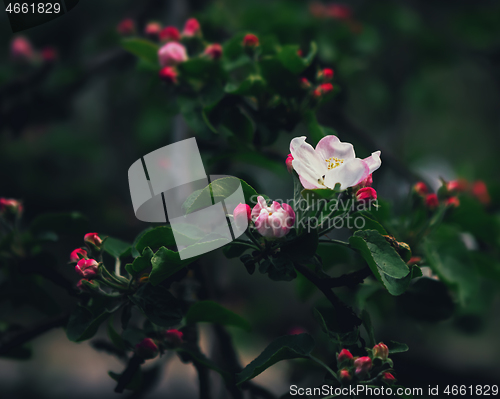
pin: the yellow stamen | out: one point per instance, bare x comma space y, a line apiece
333, 162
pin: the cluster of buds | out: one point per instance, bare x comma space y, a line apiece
149, 348
272, 222
323, 86
359, 368
11, 206
21, 50
86, 267
447, 194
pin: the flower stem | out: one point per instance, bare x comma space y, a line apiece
321, 363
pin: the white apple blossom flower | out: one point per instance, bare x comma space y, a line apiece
331, 162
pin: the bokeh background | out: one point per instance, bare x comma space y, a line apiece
419, 80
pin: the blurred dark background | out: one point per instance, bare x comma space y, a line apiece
420, 80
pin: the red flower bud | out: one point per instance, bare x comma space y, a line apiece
366, 194
344, 355
49, 54
288, 162
304, 83
300, 53
168, 74
297, 330
453, 202
388, 377
480, 191
345, 376
420, 188
431, 201
250, 40
170, 34
78, 254
363, 365
87, 268
339, 11
325, 75
147, 349
192, 28
87, 285
21, 49
414, 260
322, 90
242, 214
11, 205
126, 27
214, 51
174, 336
381, 350
153, 30
92, 238
457, 185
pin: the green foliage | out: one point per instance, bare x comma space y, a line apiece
282, 348
144, 49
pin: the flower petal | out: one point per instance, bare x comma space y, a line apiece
373, 161
307, 160
331, 146
348, 174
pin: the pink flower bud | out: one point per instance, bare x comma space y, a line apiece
431, 201
172, 53
345, 376
480, 191
420, 188
168, 74
147, 349
363, 365
273, 221
457, 185
191, 28
344, 355
214, 51
242, 214
92, 238
366, 195
21, 49
170, 34
322, 90
11, 205
366, 182
304, 83
174, 337
126, 27
152, 30
388, 377
49, 54
288, 162
339, 11
381, 350
87, 268
325, 75
414, 260
78, 254
250, 40
453, 202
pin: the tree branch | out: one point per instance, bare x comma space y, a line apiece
350, 279
348, 320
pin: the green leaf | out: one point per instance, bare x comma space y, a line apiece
115, 338
369, 222
83, 324
116, 247
282, 348
367, 322
238, 124
144, 49
253, 85
155, 238
219, 190
140, 263
158, 304
235, 249
200, 358
212, 312
397, 347
290, 58
384, 261
317, 194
